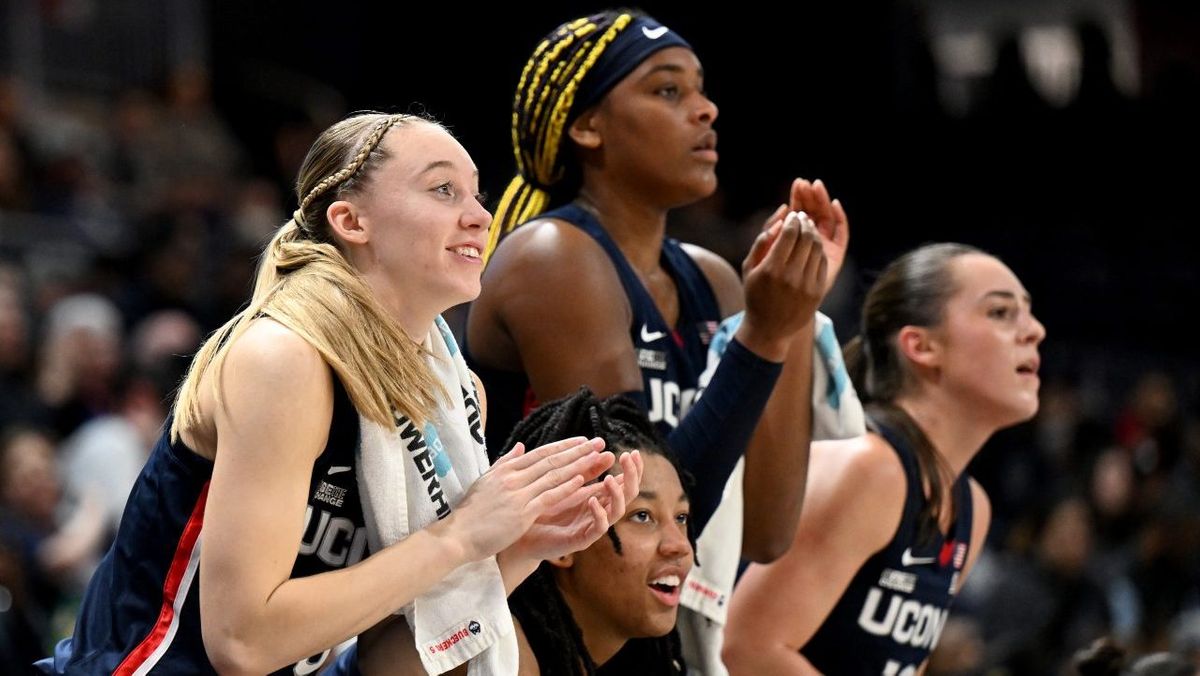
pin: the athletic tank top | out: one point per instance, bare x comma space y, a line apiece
890, 616
671, 357
141, 611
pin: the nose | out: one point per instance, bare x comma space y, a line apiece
1035, 331
706, 111
674, 543
476, 216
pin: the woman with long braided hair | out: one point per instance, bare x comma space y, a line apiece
611, 129
262, 460
578, 610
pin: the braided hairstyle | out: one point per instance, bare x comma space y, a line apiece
546, 102
537, 603
306, 283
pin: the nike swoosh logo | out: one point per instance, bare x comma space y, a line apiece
648, 337
907, 559
338, 469
654, 33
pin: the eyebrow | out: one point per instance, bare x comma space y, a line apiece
674, 68
441, 164
1008, 295
653, 495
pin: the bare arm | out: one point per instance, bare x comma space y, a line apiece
851, 510
254, 617
777, 452
554, 307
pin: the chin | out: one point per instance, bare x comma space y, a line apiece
658, 625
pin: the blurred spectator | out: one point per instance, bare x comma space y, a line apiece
1035, 610
80, 361
56, 537
18, 403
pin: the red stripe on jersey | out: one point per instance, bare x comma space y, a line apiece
183, 553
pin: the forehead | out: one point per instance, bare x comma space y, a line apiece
415, 146
979, 274
671, 59
659, 477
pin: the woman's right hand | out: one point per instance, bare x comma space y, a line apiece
520, 488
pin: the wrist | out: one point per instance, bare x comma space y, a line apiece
451, 544
515, 567
762, 344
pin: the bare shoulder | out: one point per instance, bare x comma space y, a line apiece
859, 485
268, 349
545, 277
865, 464
722, 277
548, 250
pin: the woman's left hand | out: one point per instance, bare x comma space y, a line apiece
580, 520
833, 226
830, 219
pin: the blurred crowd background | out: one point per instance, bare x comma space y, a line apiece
147, 151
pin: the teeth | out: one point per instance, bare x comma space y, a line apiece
468, 251
668, 580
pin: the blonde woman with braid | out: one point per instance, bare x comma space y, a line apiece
243, 548
611, 130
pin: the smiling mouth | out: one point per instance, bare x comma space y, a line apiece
666, 589
467, 252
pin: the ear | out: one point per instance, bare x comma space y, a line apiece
564, 562
345, 221
585, 130
920, 346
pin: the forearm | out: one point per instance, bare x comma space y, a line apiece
771, 657
304, 616
777, 457
514, 569
714, 434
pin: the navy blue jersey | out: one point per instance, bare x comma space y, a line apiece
671, 357
141, 612
890, 616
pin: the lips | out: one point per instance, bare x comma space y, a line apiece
1029, 367
706, 148
667, 588
471, 251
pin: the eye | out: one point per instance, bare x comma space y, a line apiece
640, 516
670, 91
446, 189
682, 518
481, 197
1002, 312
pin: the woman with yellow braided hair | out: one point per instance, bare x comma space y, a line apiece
611, 129
260, 483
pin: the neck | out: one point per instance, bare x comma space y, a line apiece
637, 227
957, 437
414, 320
601, 638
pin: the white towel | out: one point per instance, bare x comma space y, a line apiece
837, 414
409, 478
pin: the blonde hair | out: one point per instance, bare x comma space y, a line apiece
305, 283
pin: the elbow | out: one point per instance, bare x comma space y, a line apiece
231, 654
737, 655
766, 547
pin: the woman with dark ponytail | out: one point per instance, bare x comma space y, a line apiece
577, 611
891, 524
